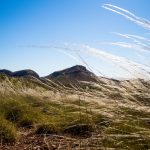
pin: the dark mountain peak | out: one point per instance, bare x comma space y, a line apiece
73, 74
72, 70
77, 67
25, 73
6, 72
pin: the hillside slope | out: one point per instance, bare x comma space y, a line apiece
96, 113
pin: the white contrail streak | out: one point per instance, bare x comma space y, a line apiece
127, 14
134, 68
131, 67
135, 47
135, 38
124, 63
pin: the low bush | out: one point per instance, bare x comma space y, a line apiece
20, 113
7, 131
46, 129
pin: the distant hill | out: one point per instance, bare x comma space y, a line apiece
6, 72
21, 73
83, 78
72, 75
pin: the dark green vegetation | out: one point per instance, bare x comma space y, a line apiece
132, 130
8, 131
44, 116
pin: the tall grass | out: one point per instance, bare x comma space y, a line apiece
8, 132
83, 113
46, 117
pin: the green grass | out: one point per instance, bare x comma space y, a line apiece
42, 115
55, 117
46, 128
19, 112
8, 133
129, 131
126, 143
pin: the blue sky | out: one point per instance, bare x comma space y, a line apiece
45, 22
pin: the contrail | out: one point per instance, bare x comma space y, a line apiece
122, 62
141, 43
127, 65
135, 47
135, 38
127, 14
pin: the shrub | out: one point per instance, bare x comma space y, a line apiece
7, 131
20, 113
46, 129
79, 130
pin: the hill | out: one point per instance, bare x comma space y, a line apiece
74, 75
21, 73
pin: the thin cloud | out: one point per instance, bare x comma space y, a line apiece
139, 43
128, 15
134, 38
135, 47
134, 68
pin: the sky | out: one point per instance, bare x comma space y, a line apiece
110, 37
